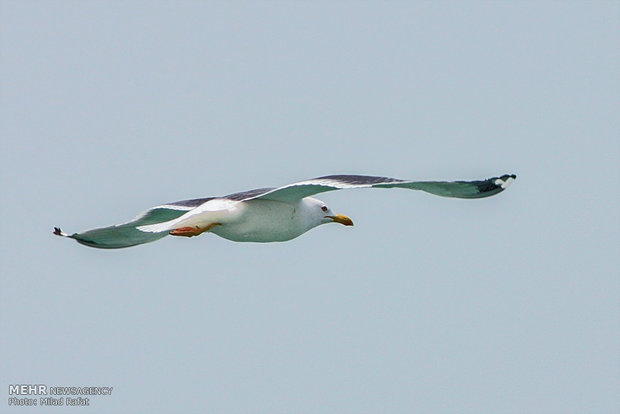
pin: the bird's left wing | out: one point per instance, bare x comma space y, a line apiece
457, 189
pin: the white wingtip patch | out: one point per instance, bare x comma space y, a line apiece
504, 183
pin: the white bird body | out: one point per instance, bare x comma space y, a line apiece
256, 220
266, 214
271, 221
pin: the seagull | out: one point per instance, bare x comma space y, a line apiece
265, 214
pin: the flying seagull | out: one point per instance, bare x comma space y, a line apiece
265, 214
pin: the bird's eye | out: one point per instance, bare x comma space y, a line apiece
324, 208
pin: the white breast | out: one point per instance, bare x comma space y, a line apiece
266, 221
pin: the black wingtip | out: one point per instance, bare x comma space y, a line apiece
58, 232
504, 181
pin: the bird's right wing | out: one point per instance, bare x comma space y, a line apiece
457, 189
132, 232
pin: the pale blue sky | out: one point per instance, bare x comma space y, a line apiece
503, 305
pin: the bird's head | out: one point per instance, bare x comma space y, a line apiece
322, 214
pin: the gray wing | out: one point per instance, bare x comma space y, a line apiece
457, 189
128, 234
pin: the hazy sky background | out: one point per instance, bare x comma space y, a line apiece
509, 304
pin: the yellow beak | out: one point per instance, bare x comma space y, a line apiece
339, 218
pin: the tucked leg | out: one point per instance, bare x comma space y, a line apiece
191, 231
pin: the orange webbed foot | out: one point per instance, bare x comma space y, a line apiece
191, 231
187, 231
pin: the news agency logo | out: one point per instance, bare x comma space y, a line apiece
70, 396
28, 389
